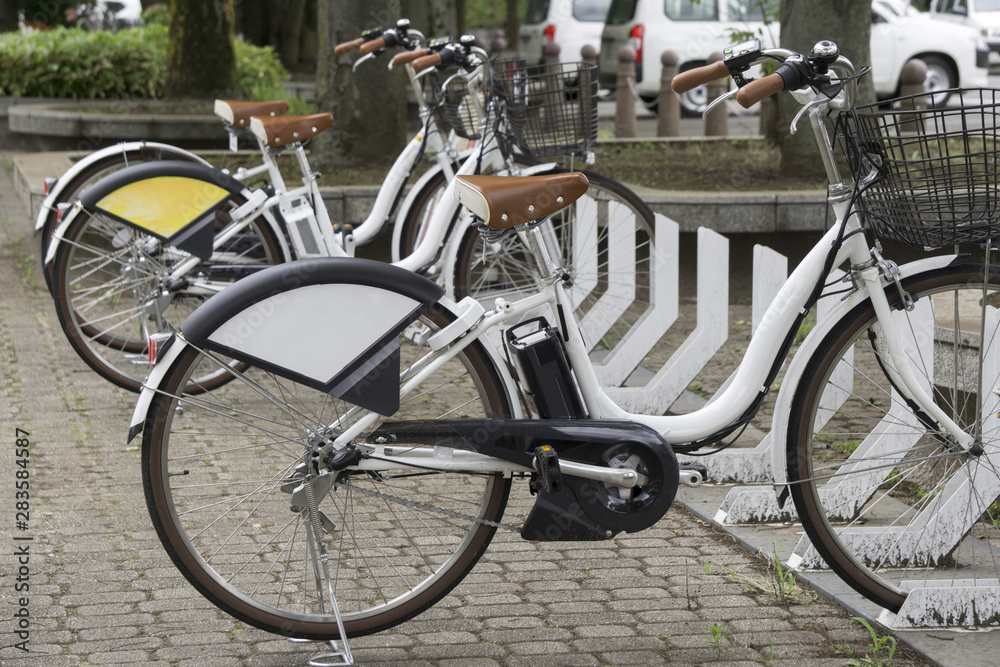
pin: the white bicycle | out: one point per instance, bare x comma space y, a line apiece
350, 471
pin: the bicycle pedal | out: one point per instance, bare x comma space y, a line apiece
549, 478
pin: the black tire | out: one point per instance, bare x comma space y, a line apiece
106, 275
401, 541
505, 269
868, 480
418, 214
72, 189
941, 75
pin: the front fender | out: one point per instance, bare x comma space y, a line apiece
790, 382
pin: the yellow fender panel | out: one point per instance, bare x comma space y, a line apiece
163, 205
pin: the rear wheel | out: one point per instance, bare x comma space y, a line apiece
878, 492
112, 288
226, 472
71, 190
610, 260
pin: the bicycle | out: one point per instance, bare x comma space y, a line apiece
114, 285
289, 500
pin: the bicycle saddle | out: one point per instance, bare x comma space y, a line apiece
284, 130
238, 114
506, 201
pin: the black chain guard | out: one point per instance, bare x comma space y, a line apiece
587, 510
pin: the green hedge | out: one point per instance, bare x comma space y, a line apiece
107, 65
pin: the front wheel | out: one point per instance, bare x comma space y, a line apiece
878, 490
225, 476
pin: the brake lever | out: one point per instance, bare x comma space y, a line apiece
360, 60
719, 100
815, 102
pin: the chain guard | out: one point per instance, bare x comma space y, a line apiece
586, 509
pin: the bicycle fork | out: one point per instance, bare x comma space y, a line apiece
898, 367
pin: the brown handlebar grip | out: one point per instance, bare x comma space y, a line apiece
409, 56
420, 64
699, 76
757, 90
373, 45
347, 47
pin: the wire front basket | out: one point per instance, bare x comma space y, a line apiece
927, 176
457, 110
551, 109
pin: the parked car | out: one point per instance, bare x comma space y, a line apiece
572, 24
955, 55
983, 15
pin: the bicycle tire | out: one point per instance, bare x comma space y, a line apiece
416, 217
870, 483
505, 269
71, 190
107, 277
394, 556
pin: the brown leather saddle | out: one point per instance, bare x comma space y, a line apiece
503, 202
284, 130
238, 114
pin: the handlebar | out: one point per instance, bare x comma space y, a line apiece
347, 47
425, 62
757, 90
699, 76
373, 45
410, 56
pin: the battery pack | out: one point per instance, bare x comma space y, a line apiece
545, 371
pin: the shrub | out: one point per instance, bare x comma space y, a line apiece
108, 65
158, 14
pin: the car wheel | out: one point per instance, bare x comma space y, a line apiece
941, 76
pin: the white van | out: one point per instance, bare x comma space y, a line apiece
983, 15
572, 24
955, 55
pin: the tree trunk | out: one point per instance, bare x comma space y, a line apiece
369, 106
512, 25
8, 16
434, 18
803, 23
291, 32
253, 21
200, 58
460, 20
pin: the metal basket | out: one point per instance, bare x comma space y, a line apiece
935, 181
456, 109
551, 109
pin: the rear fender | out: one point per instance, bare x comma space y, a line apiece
332, 324
171, 200
56, 192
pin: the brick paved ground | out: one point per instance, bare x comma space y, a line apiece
103, 591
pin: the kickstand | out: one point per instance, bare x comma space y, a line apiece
339, 655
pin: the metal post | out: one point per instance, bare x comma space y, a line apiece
550, 53
625, 122
911, 82
668, 121
717, 122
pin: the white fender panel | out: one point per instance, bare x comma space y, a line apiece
326, 336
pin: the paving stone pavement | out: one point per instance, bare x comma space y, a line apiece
103, 591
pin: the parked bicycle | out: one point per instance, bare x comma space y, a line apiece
144, 247
352, 470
